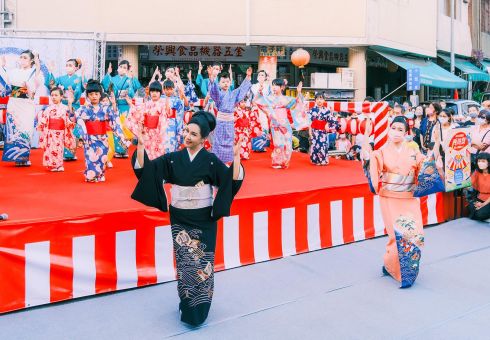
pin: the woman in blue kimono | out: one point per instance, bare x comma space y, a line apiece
322, 123
72, 84
94, 119
123, 85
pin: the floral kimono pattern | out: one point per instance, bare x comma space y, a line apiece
247, 126
56, 134
96, 145
322, 123
153, 117
277, 108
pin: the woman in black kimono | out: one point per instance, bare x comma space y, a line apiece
194, 210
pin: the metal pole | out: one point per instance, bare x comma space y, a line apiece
452, 35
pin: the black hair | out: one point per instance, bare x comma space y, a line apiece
156, 86
103, 96
169, 67
30, 54
437, 107
168, 84
56, 88
217, 63
486, 115
225, 75
93, 86
473, 105
75, 62
400, 119
125, 62
319, 95
206, 122
398, 106
278, 82
483, 155
262, 71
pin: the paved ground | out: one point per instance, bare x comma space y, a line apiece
336, 293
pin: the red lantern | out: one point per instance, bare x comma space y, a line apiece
300, 58
352, 126
362, 126
343, 125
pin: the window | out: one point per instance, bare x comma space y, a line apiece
485, 16
457, 9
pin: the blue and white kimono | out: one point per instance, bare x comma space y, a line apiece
174, 109
96, 146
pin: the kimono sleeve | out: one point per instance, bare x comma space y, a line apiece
106, 81
241, 91
214, 92
149, 189
375, 168
298, 112
136, 84
222, 177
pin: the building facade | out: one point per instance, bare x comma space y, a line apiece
357, 34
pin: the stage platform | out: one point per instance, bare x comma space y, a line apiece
66, 238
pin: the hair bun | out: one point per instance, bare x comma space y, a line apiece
211, 119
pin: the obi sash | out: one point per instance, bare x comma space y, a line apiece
56, 124
97, 127
108, 126
318, 124
397, 183
195, 197
172, 113
225, 117
242, 122
19, 92
151, 121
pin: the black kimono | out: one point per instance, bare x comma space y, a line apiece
193, 229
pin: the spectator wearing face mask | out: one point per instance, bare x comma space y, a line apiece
428, 124
480, 181
480, 135
472, 116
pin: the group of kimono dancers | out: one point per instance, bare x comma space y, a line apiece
170, 152
250, 112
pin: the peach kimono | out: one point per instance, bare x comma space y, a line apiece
393, 174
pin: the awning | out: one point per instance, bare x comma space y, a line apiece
474, 73
430, 74
486, 65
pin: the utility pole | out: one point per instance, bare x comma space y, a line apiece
452, 36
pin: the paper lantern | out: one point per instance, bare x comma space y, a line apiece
300, 58
343, 125
352, 126
362, 126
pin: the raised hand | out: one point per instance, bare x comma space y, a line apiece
236, 148
300, 87
200, 67
189, 75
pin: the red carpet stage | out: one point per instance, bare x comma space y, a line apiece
66, 238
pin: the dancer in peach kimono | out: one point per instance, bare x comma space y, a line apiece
393, 172
152, 116
56, 128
